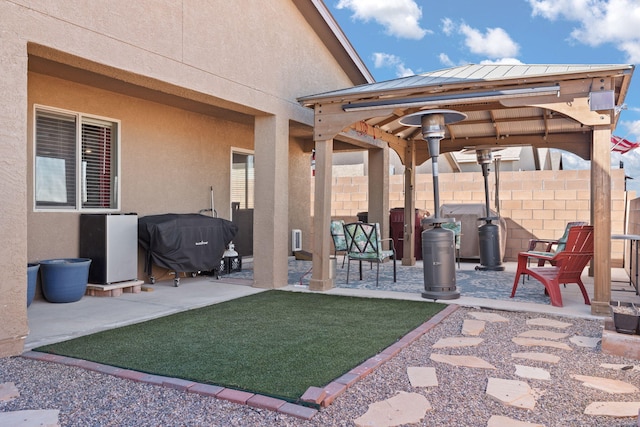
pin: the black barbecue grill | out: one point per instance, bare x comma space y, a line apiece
184, 243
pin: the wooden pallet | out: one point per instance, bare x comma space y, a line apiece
114, 289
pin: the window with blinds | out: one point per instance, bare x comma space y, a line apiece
242, 180
76, 161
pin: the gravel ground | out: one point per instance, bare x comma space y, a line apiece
87, 398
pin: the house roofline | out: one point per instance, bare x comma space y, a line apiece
325, 25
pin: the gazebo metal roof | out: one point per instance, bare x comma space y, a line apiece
505, 104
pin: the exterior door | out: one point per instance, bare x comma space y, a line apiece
242, 199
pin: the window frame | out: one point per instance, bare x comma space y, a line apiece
249, 192
80, 119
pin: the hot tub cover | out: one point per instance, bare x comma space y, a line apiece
184, 242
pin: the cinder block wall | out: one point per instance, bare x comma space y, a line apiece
535, 204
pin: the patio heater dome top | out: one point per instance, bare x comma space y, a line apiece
484, 153
433, 124
415, 119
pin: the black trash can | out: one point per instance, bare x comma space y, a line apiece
363, 216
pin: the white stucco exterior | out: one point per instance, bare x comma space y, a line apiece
188, 81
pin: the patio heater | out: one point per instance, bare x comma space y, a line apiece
488, 233
438, 245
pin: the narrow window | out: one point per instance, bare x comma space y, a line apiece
242, 180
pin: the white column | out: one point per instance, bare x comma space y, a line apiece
271, 217
13, 193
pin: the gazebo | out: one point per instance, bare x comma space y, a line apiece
568, 107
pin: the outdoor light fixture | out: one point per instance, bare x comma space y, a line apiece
602, 100
457, 98
438, 246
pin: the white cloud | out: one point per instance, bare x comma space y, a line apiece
553, 9
630, 130
495, 43
445, 60
387, 60
599, 21
571, 161
400, 18
502, 61
448, 26
384, 60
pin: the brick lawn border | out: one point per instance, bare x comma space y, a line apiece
318, 396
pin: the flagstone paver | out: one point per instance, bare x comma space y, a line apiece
466, 361
544, 334
500, 421
403, 408
512, 392
422, 376
613, 409
532, 372
489, 317
472, 327
453, 342
540, 357
580, 341
620, 366
31, 417
8, 391
606, 384
541, 321
532, 342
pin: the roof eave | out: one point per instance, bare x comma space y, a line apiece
324, 24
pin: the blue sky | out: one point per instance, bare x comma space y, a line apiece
396, 38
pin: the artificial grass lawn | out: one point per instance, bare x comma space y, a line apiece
276, 343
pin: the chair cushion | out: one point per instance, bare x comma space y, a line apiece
456, 227
364, 243
540, 253
337, 233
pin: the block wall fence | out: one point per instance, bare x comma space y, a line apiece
535, 204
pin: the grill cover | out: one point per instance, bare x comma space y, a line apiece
184, 242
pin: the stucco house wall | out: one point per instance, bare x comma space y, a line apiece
188, 80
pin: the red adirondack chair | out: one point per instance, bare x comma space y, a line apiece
567, 265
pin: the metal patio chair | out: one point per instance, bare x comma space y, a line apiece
339, 239
364, 244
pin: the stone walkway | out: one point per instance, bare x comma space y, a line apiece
410, 408
540, 345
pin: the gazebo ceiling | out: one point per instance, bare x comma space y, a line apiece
538, 105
